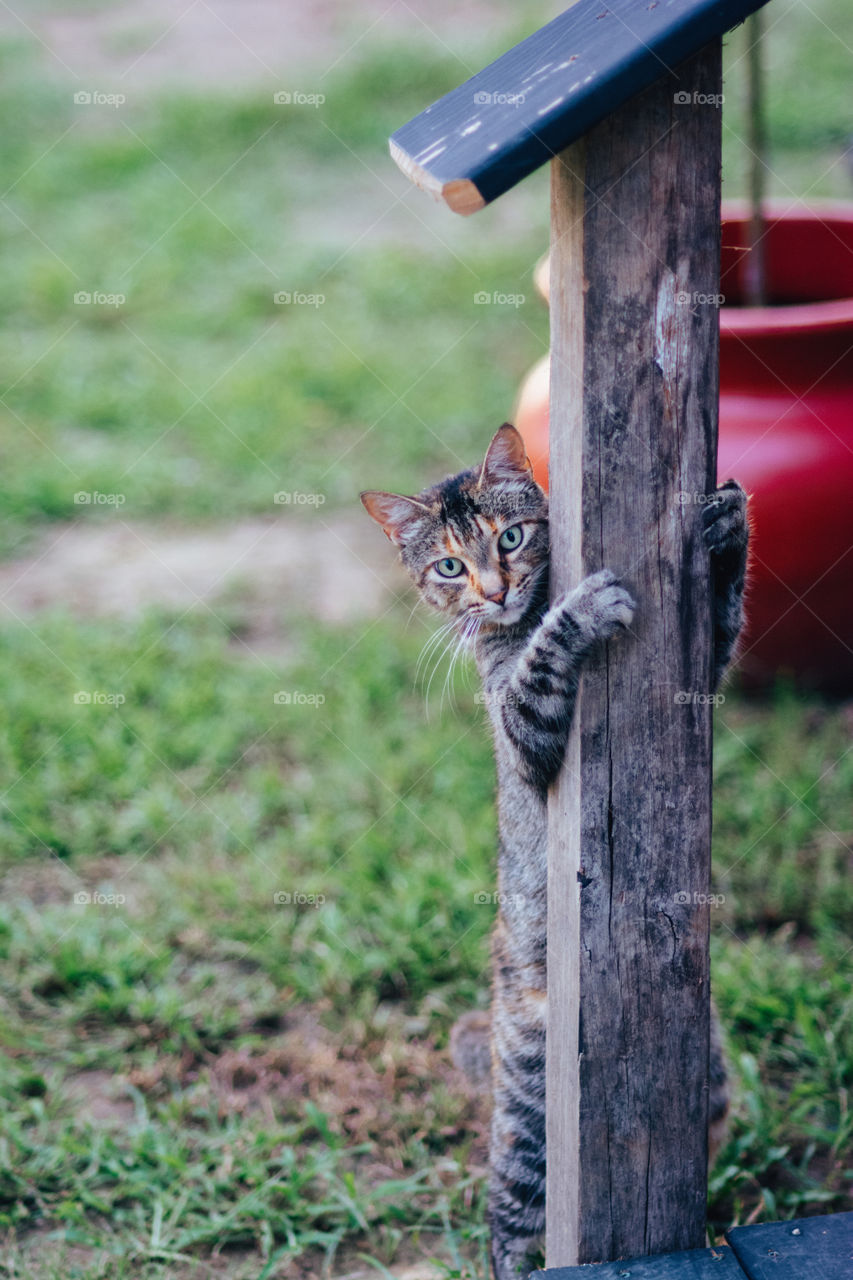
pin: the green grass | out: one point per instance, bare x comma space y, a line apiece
200, 798
199, 396
181, 1048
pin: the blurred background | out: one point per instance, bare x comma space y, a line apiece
242, 849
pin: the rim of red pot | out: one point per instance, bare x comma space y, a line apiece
812, 317
834, 314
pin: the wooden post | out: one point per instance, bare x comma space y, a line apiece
634, 337
635, 268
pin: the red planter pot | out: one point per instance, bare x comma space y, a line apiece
786, 433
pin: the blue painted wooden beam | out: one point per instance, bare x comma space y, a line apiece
482, 138
818, 1248
690, 1264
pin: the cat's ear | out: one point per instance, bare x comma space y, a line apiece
394, 512
506, 457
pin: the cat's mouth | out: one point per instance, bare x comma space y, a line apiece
501, 615
509, 612
517, 602
507, 615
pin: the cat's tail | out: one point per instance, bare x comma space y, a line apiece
471, 1045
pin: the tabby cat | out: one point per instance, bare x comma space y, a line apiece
476, 546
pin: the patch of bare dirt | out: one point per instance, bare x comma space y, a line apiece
386, 1085
335, 568
39, 882
385, 1088
100, 1097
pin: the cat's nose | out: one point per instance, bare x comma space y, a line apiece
498, 597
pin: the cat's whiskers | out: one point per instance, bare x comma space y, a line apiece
456, 634
443, 630
467, 636
426, 652
419, 604
431, 645
451, 640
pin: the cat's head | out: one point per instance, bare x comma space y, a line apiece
476, 544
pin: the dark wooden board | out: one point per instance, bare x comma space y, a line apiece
806, 1249
692, 1264
485, 136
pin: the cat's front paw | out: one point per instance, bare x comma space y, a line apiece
724, 523
600, 606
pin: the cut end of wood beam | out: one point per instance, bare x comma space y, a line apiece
460, 194
462, 197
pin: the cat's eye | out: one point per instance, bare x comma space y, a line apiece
449, 567
511, 538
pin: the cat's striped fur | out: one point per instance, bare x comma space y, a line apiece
530, 657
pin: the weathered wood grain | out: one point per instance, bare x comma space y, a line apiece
691, 1264
486, 135
808, 1249
568, 452
634, 269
